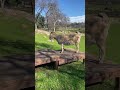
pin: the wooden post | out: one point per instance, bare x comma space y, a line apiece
83, 61
56, 65
117, 83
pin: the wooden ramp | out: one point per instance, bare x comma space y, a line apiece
97, 73
48, 56
17, 72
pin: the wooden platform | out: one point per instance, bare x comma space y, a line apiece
97, 73
17, 72
48, 56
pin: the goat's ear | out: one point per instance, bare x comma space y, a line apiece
77, 31
51, 32
101, 15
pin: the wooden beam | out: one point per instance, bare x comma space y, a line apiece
117, 83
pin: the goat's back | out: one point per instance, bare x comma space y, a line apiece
97, 26
68, 39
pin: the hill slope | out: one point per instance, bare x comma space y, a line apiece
16, 34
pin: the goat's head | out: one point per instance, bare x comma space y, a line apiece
52, 36
104, 16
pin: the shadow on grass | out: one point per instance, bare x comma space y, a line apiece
75, 76
67, 77
72, 71
45, 46
8, 46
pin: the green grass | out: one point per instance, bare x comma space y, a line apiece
14, 37
67, 77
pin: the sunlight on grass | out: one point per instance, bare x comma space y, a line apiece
68, 77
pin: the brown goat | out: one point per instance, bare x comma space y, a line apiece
66, 39
97, 31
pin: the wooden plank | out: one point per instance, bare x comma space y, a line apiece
48, 56
16, 84
99, 72
16, 72
117, 83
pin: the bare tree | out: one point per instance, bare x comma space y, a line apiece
40, 5
2, 3
64, 20
55, 16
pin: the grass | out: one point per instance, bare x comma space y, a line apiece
67, 77
16, 35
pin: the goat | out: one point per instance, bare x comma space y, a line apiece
97, 31
66, 39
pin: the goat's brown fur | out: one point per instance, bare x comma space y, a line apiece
66, 39
96, 32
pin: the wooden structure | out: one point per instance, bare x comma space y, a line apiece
17, 72
97, 73
52, 56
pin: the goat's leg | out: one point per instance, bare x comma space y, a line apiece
101, 52
100, 55
52, 40
62, 47
77, 47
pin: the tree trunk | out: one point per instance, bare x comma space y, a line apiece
35, 26
47, 21
54, 26
47, 24
2, 3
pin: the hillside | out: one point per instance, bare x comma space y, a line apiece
17, 32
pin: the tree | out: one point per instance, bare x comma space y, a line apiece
55, 16
40, 22
2, 3
43, 6
64, 20
40, 5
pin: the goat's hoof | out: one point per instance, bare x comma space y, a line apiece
77, 52
61, 52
